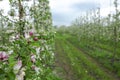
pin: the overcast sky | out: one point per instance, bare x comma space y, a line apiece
65, 11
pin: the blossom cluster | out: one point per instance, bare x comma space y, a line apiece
3, 56
29, 53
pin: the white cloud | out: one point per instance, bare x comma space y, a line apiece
64, 11
63, 7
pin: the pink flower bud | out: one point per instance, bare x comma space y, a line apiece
3, 56
35, 39
31, 33
33, 58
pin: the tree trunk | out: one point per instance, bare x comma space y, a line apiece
21, 22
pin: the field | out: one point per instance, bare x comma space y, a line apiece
34, 47
75, 61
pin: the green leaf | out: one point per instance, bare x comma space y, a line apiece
33, 50
12, 61
1, 71
2, 74
11, 76
35, 44
10, 1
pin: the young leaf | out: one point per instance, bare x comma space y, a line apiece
10, 1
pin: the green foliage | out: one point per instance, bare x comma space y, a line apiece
80, 64
26, 51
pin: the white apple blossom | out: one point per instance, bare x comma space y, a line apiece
20, 75
37, 69
17, 66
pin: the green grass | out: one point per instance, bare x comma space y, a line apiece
102, 53
81, 64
